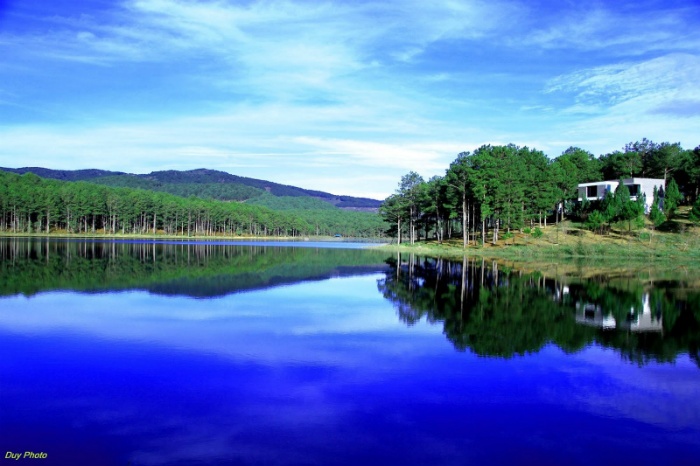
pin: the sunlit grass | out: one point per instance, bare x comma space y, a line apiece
677, 241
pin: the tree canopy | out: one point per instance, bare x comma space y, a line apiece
507, 187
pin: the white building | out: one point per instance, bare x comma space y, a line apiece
597, 189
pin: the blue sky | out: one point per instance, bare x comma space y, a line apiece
339, 96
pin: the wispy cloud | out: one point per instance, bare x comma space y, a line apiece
624, 81
286, 85
681, 108
620, 29
159, 29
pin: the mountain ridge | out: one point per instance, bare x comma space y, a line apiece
201, 182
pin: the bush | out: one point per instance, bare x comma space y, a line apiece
595, 221
656, 216
537, 233
694, 215
672, 199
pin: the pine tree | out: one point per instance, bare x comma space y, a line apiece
655, 215
673, 198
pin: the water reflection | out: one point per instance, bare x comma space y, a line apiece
482, 306
637, 319
322, 372
30, 266
495, 311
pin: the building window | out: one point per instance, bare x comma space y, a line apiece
634, 189
591, 191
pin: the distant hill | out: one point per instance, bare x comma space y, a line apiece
209, 184
64, 175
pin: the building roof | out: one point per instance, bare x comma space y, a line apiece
624, 180
596, 183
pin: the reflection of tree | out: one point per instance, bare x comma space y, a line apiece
504, 313
30, 266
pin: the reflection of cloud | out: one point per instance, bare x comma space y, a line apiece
272, 377
660, 394
235, 326
319, 373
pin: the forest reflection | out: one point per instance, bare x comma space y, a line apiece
483, 306
30, 266
492, 310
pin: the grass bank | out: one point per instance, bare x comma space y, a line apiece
678, 243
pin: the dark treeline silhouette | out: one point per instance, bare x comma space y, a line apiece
33, 265
494, 311
30, 204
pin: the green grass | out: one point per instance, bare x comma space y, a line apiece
678, 242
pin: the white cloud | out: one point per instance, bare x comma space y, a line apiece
296, 87
228, 142
158, 30
383, 155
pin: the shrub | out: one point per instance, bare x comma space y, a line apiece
672, 199
656, 216
595, 221
694, 215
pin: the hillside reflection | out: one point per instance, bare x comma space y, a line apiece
494, 311
31, 266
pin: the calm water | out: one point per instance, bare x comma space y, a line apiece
178, 354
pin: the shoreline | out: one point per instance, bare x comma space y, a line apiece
568, 243
562, 245
158, 237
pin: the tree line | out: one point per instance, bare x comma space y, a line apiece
497, 188
30, 204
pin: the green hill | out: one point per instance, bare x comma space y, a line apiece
34, 205
208, 184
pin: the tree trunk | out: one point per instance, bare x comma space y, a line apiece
483, 230
465, 233
398, 230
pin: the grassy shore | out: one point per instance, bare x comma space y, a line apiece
677, 242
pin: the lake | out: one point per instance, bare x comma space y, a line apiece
145, 353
